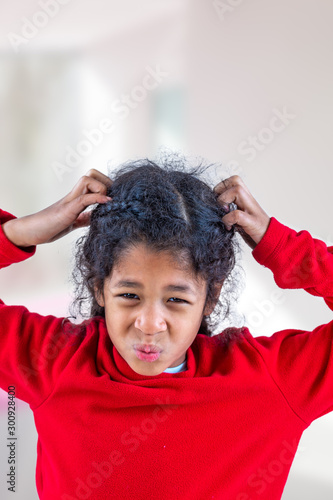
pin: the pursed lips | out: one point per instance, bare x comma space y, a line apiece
147, 348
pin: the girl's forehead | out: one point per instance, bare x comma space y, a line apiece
143, 263
143, 254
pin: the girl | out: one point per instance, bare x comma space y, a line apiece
141, 401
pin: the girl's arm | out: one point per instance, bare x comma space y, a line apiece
299, 362
34, 348
8, 255
296, 259
63, 216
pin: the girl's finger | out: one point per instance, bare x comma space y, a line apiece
237, 194
83, 220
99, 176
83, 201
228, 183
87, 184
249, 226
237, 217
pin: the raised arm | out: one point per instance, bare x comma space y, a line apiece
300, 362
34, 348
296, 259
63, 216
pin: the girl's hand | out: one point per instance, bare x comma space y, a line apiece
249, 219
63, 216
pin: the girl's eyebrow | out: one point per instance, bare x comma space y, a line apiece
179, 287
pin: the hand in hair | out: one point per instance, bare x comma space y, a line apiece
63, 216
249, 219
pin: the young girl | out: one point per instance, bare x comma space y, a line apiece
141, 401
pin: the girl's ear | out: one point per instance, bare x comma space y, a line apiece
209, 308
99, 296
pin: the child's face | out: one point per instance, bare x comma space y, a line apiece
150, 310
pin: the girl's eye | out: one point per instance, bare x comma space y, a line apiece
132, 295
126, 295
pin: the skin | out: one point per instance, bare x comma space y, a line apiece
151, 316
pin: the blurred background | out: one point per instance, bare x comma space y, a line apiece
246, 85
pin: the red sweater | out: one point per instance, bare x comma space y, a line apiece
226, 428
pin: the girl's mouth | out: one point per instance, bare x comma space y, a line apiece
144, 356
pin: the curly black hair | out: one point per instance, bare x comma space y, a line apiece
169, 207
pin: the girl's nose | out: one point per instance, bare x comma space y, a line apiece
150, 320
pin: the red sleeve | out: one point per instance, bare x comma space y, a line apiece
9, 253
33, 348
300, 362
